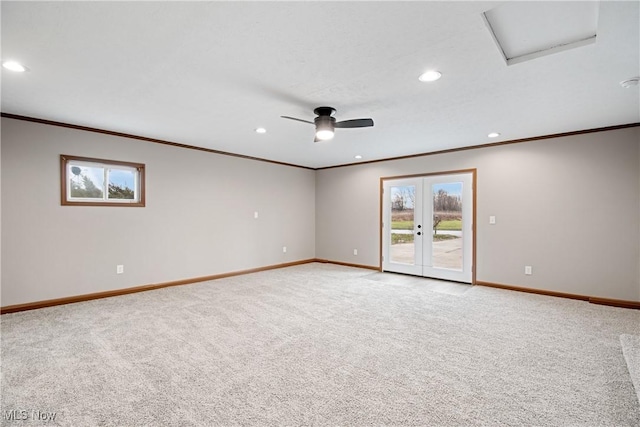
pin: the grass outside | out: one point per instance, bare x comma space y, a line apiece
401, 238
402, 225
450, 224
439, 237
408, 238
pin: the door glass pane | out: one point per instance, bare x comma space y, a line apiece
447, 225
402, 248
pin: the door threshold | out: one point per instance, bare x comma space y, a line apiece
436, 285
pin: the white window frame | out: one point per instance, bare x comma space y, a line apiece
138, 169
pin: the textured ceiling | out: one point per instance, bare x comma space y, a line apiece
208, 73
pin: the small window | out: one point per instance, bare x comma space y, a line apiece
97, 182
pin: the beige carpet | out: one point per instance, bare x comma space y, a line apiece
631, 351
319, 344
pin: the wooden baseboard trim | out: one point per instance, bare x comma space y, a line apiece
533, 291
615, 302
593, 300
348, 264
107, 294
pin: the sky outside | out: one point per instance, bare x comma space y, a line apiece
119, 177
403, 192
452, 188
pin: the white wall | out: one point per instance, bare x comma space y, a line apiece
567, 206
198, 218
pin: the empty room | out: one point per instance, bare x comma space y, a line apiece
419, 213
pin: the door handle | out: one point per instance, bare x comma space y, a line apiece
419, 226
419, 233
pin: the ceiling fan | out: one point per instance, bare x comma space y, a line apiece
326, 124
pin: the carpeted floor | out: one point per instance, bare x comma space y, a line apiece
320, 344
631, 351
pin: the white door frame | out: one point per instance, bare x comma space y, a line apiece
384, 220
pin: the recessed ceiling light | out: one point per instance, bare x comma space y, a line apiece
14, 66
430, 76
358, 157
493, 135
261, 130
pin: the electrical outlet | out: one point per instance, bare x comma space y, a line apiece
355, 252
284, 249
527, 270
119, 269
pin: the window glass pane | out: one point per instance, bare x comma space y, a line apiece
86, 182
122, 184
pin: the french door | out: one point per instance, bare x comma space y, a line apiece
427, 226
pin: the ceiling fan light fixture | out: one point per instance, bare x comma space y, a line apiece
324, 134
493, 135
430, 76
326, 124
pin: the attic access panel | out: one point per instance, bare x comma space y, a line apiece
528, 30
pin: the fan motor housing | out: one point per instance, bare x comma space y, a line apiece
325, 122
324, 111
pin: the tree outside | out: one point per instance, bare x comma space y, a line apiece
120, 192
447, 208
83, 187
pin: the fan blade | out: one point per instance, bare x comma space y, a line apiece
297, 120
355, 123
